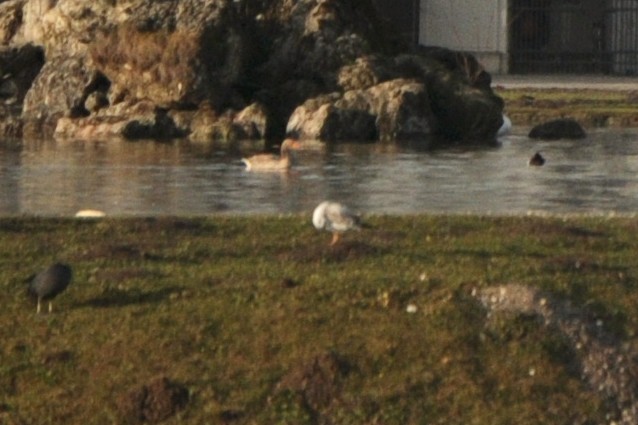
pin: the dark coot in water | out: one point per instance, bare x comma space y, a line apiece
536, 160
50, 282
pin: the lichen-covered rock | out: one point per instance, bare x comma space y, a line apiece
10, 19
402, 109
365, 72
393, 110
65, 27
172, 66
250, 123
141, 120
320, 119
59, 90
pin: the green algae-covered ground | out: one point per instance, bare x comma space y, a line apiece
262, 322
592, 108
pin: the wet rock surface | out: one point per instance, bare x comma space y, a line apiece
603, 361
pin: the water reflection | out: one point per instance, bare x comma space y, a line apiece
598, 174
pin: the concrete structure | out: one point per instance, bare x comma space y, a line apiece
476, 26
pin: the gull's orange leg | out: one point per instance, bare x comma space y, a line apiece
335, 238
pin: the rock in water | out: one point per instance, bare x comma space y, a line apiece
563, 128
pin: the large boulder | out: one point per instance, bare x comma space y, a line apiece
463, 104
321, 119
562, 128
393, 110
222, 69
60, 89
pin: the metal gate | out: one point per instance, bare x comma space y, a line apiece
573, 36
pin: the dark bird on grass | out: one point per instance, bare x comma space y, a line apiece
335, 218
537, 160
49, 283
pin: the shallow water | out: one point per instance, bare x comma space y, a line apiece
595, 175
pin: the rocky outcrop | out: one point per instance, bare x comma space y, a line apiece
222, 70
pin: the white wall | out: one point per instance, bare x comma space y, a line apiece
476, 26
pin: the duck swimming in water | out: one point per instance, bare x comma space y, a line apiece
270, 162
536, 160
336, 218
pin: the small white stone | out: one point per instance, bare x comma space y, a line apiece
90, 214
532, 371
411, 308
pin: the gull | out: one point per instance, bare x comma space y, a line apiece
336, 218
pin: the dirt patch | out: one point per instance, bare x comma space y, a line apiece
121, 298
152, 403
123, 274
58, 357
342, 251
119, 252
316, 383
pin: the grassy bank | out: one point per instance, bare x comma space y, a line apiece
261, 322
591, 107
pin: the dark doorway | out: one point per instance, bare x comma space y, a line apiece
402, 16
573, 36
559, 36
